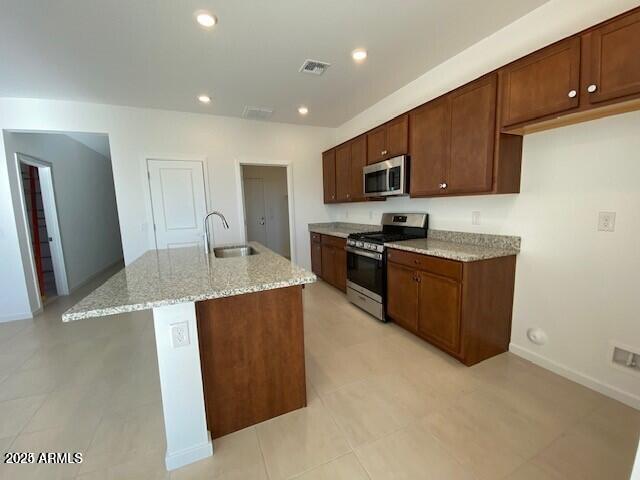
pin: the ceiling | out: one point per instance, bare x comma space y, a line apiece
151, 53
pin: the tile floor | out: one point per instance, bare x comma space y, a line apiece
382, 405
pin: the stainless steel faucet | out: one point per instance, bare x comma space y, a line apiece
225, 224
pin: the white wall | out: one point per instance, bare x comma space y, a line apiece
577, 284
137, 134
275, 205
85, 199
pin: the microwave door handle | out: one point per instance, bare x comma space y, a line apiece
388, 189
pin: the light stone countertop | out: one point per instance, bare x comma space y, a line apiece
341, 229
172, 276
462, 252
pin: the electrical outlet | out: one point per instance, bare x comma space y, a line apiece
607, 221
475, 218
180, 334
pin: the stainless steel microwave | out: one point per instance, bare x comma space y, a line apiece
387, 178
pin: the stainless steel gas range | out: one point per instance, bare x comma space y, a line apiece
367, 262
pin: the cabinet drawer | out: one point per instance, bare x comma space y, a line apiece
439, 266
334, 241
316, 237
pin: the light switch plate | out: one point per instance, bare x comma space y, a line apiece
180, 335
606, 221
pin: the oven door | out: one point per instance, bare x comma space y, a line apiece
365, 273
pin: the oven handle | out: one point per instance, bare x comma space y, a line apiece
364, 253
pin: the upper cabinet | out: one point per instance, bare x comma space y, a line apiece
544, 83
456, 149
388, 140
469, 141
342, 171
329, 175
611, 61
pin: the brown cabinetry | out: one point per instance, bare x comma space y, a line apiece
462, 308
611, 61
544, 83
342, 167
388, 140
456, 149
329, 175
329, 259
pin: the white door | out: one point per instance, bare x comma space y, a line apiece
255, 212
179, 202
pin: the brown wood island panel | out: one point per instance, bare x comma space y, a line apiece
252, 357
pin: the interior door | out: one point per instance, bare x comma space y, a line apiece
254, 205
179, 202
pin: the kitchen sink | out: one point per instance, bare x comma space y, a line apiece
234, 251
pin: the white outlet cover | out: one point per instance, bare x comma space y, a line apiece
606, 221
180, 335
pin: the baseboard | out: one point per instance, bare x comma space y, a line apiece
581, 378
18, 316
75, 288
188, 455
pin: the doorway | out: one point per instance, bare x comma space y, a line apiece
266, 207
41, 218
178, 202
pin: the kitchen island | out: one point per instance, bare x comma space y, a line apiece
229, 338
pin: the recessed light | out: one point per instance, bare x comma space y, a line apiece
302, 110
206, 19
204, 98
359, 54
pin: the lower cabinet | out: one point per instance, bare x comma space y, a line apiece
462, 308
329, 259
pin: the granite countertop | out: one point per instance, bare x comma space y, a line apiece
171, 276
460, 246
341, 229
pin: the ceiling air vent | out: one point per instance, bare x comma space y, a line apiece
314, 67
257, 113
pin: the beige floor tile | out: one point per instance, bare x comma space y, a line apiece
15, 414
236, 456
330, 372
300, 440
4, 444
81, 406
147, 468
121, 437
410, 454
343, 468
602, 445
530, 471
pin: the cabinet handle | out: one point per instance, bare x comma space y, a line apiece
592, 88
443, 186
383, 152
572, 94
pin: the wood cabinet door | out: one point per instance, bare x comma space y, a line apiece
340, 265
439, 310
612, 63
377, 145
343, 173
397, 136
358, 162
329, 176
473, 132
316, 258
429, 142
328, 264
544, 83
402, 296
